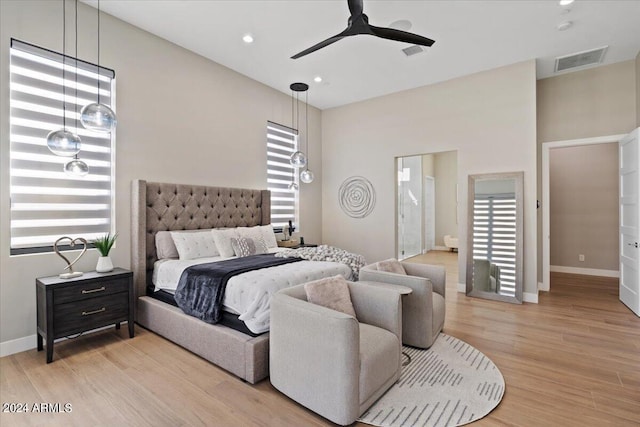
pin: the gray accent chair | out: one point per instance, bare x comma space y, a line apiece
423, 310
330, 362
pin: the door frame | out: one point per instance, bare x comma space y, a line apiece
545, 285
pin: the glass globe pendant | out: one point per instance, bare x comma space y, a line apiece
306, 176
61, 142
298, 159
98, 117
76, 167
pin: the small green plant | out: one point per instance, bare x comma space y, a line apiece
103, 244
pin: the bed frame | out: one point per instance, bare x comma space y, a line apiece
159, 207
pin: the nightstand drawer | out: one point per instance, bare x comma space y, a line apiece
90, 313
83, 291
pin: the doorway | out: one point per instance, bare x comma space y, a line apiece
574, 265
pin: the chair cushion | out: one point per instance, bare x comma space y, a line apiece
379, 359
331, 292
391, 265
438, 313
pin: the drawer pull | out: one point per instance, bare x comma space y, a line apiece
88, 313
90, 291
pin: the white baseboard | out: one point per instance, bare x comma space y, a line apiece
441, 248
530, 297
541, 287
7, 348
462, 287
584, 271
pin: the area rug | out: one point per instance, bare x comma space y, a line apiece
450, 384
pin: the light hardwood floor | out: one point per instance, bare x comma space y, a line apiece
571, 360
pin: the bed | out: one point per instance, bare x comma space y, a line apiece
160, 207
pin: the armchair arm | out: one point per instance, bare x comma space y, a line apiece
377, 307
314, 355
435, 273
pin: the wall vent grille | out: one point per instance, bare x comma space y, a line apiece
580, 59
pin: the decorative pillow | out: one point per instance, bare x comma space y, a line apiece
222, 237
391, 265
193, 245
331, 292
244, 246
253, 233
269, 236
165, 248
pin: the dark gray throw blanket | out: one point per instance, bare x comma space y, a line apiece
201, 287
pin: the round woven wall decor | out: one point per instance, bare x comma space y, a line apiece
357, 197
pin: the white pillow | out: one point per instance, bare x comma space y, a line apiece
269, 236
222, 238
254, 233
194, 245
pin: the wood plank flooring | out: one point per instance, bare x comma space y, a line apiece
571, 360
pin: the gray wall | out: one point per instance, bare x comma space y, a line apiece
181, 118
488, 117
638, 90
583, 104
583, 207
446, 177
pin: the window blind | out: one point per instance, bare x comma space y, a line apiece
494, 236
282, 142
47, 203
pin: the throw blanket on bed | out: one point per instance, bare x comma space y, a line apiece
328, 253
200, 291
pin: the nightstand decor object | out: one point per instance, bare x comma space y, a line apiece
103, 245
72, 306
72, 242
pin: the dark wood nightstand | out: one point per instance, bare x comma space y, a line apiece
93, 300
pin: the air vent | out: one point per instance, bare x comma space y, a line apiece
580, 59
412, 50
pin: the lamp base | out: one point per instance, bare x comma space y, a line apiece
71, 275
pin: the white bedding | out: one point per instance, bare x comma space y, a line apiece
248, 294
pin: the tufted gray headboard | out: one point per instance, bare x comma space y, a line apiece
159, 207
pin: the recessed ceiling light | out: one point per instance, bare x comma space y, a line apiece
564, 25
566, 2
247, 38
317, 79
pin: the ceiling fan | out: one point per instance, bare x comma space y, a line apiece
358, 23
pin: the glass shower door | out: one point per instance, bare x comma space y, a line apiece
409, 170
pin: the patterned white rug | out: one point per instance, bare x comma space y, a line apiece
450, 384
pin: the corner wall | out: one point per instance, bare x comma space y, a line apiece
181, 118
488, 117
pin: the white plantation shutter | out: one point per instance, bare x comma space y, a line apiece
494, 235
46, 203
282, 142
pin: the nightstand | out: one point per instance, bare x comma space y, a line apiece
71, 306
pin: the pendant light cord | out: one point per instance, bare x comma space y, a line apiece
293, 179
64, 60
75, 93
306, 116
98, 51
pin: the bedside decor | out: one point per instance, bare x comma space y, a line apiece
103, 245
72, 243
357, 197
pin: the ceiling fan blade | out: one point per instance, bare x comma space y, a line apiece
355, 7
320, 45
400, 36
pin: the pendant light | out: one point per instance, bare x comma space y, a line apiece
306, 175
96, 116
62, 142
298, 159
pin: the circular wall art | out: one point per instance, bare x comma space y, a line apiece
357, 197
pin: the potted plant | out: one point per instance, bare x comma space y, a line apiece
103, 245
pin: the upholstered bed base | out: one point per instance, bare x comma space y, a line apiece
159, 207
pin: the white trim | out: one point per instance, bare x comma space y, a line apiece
546, 146
585, 271
19, 345
441, 248
530, 297
462, 287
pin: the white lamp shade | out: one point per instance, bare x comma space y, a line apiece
98, 117
298, 160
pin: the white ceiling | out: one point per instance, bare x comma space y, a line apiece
470, 36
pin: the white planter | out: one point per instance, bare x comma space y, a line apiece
104, 264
